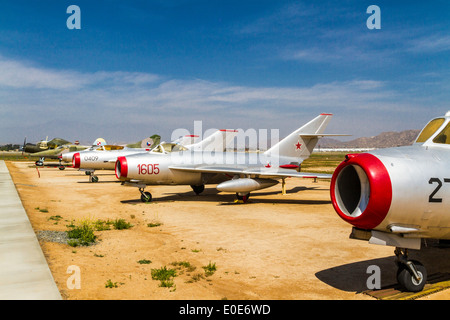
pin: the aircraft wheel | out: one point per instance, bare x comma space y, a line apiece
94, 179
39, 163
407, 280
62, 167
146, 196
244, 197
198, 189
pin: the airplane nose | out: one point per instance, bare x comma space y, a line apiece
76, 160
121, 167
66, 156
361, 190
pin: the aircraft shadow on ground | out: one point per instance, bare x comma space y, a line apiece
99, 181
353, 277
103, 178
212, 195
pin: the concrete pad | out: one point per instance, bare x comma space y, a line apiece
24, 272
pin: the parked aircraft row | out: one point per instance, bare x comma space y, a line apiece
206, 162
393, 196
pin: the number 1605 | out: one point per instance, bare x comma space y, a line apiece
148, 168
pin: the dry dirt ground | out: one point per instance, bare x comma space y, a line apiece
276, 247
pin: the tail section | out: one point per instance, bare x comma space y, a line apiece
186, 140
150, 142
99, 142
218, 141
301, 142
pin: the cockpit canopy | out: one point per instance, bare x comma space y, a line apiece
167, 147
109, 148
436, 131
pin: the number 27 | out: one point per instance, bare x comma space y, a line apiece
431, 198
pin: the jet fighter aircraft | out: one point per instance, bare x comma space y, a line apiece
239, 172
104, 158
398, 196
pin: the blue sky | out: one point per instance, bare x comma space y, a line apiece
136, 68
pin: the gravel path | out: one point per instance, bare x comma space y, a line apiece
53, 236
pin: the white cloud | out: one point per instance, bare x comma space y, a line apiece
430, 44
128, 101
19, 74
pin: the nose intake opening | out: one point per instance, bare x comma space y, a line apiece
353, 190
121, 168
350, 188
118, 166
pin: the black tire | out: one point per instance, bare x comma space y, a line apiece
61, 167
406, 279
94, 179
198, 189
146, 197
39, 163
243, 198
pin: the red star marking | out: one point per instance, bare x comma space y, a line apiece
298, 146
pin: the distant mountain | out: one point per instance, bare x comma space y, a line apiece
383, 140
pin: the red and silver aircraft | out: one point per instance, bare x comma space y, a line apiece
237, 172
104, 157
397, 196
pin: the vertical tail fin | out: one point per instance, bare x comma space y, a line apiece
186, 140
301, 142
99, 142
218, 141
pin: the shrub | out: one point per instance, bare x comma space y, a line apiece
82, 235
164, 275
121, 224
210, 269
144, 261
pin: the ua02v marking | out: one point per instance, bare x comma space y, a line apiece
237, 172
396, 196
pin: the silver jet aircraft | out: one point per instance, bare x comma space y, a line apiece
104, 157
398, 196
237, 172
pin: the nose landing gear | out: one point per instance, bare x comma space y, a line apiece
92, 177
145, 195
411, 274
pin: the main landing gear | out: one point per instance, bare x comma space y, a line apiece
145, 195
40, 163
411, 274
242, 196
198, 189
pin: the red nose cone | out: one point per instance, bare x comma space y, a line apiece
361, 190
76, 160
121, 167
